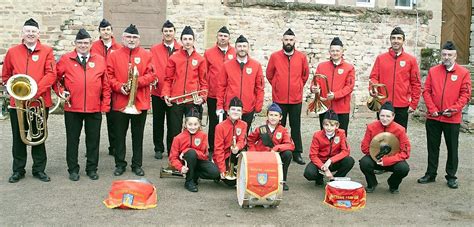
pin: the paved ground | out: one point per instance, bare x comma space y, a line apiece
63, 202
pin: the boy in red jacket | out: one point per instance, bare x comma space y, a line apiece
273, 137
395, 163
189, 153
329, 151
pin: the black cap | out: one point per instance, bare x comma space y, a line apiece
167, 24
193, 112
132, 29
336, 42
387, 106
289, 32
235, 102
224, 30
398, 31
449, 45
104, 23
331, 115
31, 22
82, 34
241, 39
187, 31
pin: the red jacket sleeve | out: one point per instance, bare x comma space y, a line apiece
314, 150
174, 155
7, 69
115, 85
305, 75
60, 71
404, 152
344, 149
221, 86
348, 85
259, 93
106, 93
287, 143
270, 72
219, 149
464, 94
365, 144
149, 75
415, 84
374, 74
252, 139
203, 78
49, 77
427, 92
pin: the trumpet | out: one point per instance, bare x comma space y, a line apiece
23, 88
63, 93
131, 86
230, 174
317, 105
375, 103
188, 97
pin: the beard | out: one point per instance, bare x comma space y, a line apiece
288, 47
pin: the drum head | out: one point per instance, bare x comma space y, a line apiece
345, 184
241, 178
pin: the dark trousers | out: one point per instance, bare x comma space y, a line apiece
248, 118
213, 121
401, 116
399, 169
200, 168
286, 157
137, 123
342, 167
434, 129
343, 121
74, 122
19, 148
176, 115
111, 130
160, 110
293, 111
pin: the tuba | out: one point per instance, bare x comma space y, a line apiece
23, 88
317, 105
132, 86
230, 174
375, 103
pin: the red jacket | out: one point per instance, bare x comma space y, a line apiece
89, 87
375, 128
215, 59
401, 76
186, 141
117, 69
39, 64
160, 60
185, 73
246, 84
323, 148
280, 138
224, 133
287, 76
99, 48
447, 90
341, 80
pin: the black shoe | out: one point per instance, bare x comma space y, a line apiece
16, 176
426, 179
138, 171
191, 186
394, 190
158, 155
42, 176
370, 189
319, 181
298, 159
74, 176
196, 181
93, 175
119, 171
453, 183
285, 187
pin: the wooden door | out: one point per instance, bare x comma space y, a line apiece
456, 26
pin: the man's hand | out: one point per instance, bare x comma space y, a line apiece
330, 96
373, 92
435, 114
124, 89
184, 169
234, 149
380, 162
326, 165
198, 101
222, 176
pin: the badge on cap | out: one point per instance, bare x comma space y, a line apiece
35, 57
454, 77
278, 135
230, 56
238, 131
194, 62
137, 60
197, 141
403, 63
248, 70
91, 64
337, 139
340, 71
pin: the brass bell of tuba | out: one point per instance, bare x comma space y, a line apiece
375, 103
132, 86
23, 88
317, 105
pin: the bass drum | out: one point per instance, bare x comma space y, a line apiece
259, 179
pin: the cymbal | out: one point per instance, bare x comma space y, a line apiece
384, 138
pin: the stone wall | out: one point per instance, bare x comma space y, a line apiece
471, 50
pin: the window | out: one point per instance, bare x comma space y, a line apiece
365, 3
403, 4
328, 2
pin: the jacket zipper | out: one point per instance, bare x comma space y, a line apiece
85, 87
27, 59
241, 79
444, 86
332, 82
394, 76
289, 66
186, 72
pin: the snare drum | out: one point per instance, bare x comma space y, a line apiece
345, 195
259, 179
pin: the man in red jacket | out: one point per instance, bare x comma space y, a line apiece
287, 72
242, 78
395, 163
329, 151
341, 80
215, 58
103, 47
447, 91
36, 60
84, 77
129, 57
399, 71
161, 53
185, 73
273, 137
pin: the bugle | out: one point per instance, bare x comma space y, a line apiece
317, 105
374, 103
230, 173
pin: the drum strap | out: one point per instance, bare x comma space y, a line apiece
266, 136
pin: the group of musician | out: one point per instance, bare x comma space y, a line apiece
106, 77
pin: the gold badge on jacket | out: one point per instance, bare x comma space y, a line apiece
340, 71
230, 56
238, 131
35, 57
91, 64
194, 62
248, 70
454, 77
137, 60
278, 135
403, 63
337, 139
197, 141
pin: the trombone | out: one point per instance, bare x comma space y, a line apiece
188, 97
317, 105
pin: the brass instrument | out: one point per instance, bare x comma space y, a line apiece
317, 105
188, 97
23, 88
375, 103
230, 173
132, 86
63, 93
171, 172
382, 141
